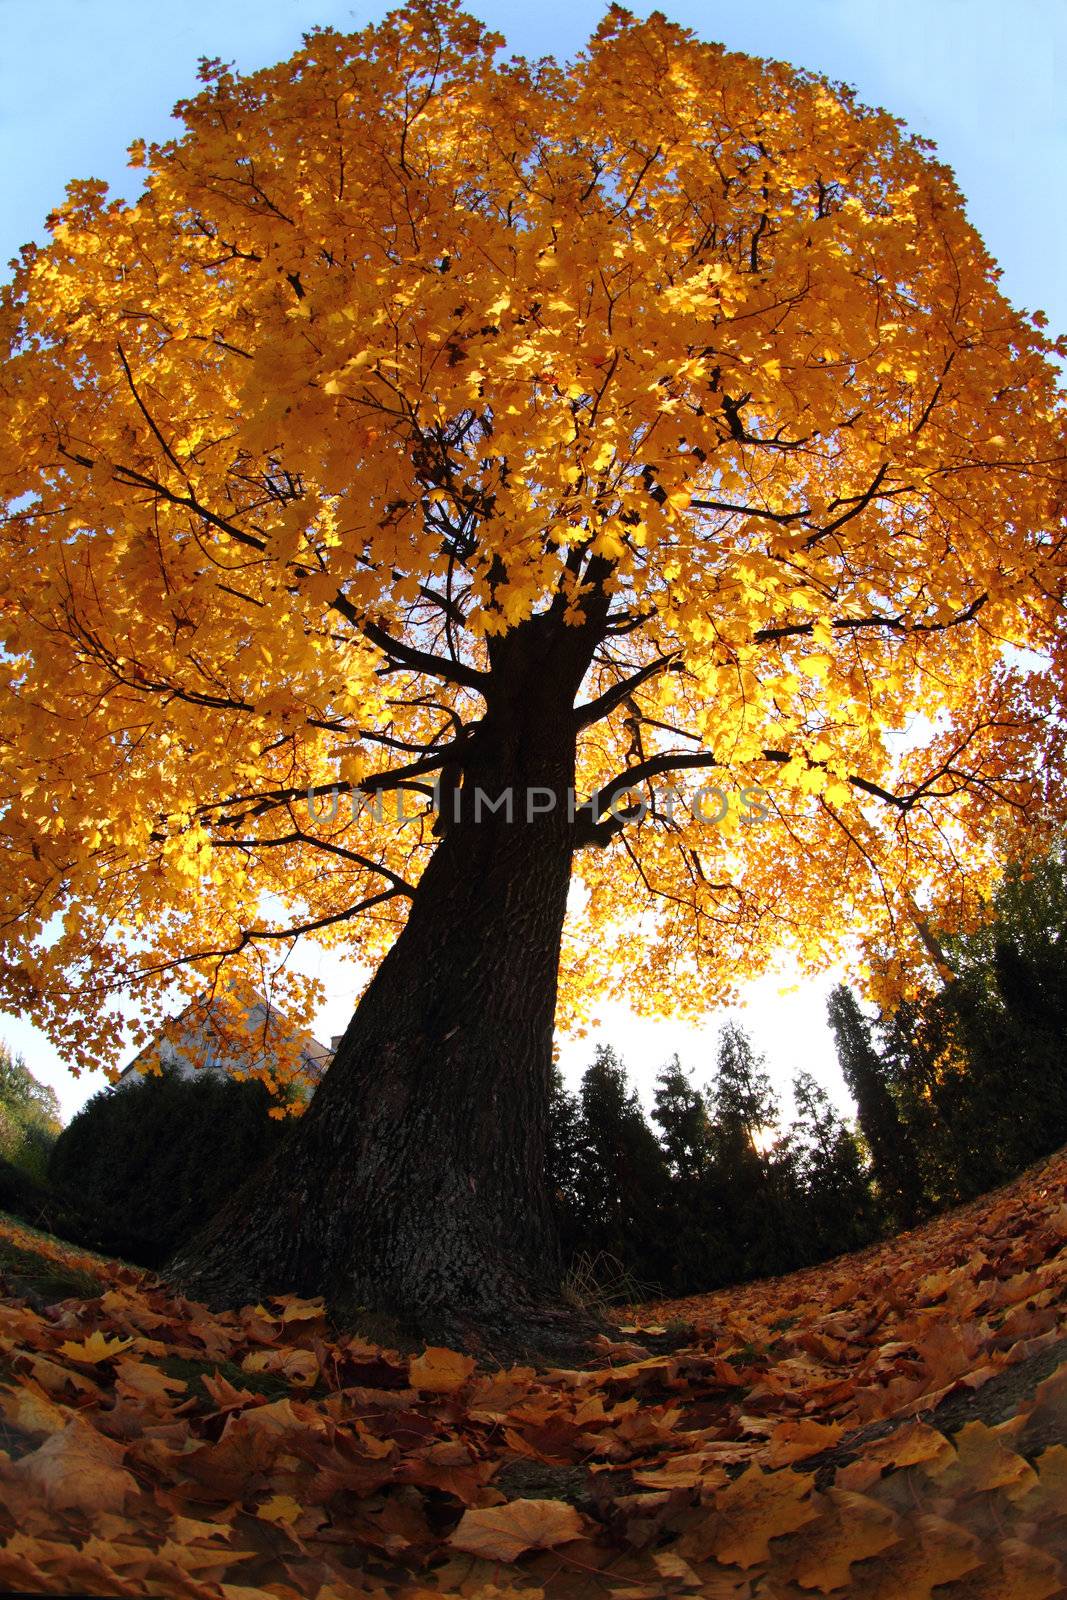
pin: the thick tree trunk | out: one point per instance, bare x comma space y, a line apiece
414, 1184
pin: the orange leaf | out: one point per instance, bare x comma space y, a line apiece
440, 1371
795, 1441
906, 1446
78, 1470
31, 1411
856, 1528
146, 1381
756, 1508
503, 1533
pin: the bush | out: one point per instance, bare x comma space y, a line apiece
150, 1160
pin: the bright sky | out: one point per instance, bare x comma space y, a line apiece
80, 79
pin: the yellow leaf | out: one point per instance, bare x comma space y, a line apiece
96, 1348
748, 1514
280, 1508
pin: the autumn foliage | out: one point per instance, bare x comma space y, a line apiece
889, 1425
407, 350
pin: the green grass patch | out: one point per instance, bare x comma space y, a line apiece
29, 1274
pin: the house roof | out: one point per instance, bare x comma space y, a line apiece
214, 1045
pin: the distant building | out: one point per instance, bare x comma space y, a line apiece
219, 1037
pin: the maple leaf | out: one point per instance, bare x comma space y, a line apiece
503, 1533
440, 1371
295, 1310
30, 1410
983, 1461
853, 1528
298, 1367
1019, 1572
94, 1349
911, 1443
280, 1508
794, 1441
78, 1469
147, 1382
934, 1552
745, 1516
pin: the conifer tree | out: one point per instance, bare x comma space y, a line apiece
622, 1181
840, 1213
893, 1156
681, 1113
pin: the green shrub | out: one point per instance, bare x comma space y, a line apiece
153, 1158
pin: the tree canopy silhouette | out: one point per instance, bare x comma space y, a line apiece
438, 426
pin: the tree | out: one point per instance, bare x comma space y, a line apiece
893, 1155
29, 1115
563, 1164
751, 1184
745, 1107
681, 1112
622, 1173
978, 1061
442, 426
839, 1206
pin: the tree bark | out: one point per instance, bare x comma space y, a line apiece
414, 1183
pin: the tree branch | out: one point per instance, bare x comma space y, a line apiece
852, 624
298, 836
605, 703
589, 830
406, 655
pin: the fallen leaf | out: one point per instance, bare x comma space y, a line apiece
503, 1533
854, 1528
78, 1470
439, 1371
756, 1508
96, 1348
795, 1441
936, 1552
906, 1446
31, 1411
140, 1378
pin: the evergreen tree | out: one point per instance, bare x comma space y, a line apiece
623, 1177
893, 1157
564, 1153
745, 1108
681, 1112
153, 1157
839, 1210
750, 1187
979, 1064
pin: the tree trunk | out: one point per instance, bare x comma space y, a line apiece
414, 1183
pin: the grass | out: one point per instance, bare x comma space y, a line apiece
29, 1270
593, 1283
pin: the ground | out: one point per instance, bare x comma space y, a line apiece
884, 1426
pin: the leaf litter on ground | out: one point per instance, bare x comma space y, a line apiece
889, 1424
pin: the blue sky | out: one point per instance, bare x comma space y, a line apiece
985, 79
